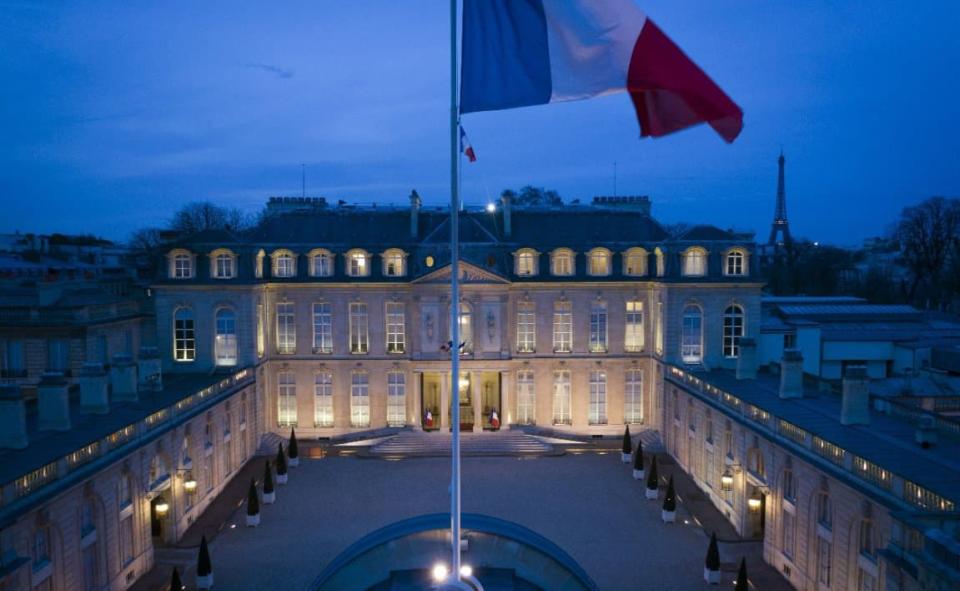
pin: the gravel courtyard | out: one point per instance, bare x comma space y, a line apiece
587, 504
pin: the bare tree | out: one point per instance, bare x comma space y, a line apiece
530, 195
204, 215
145, 239
929, 236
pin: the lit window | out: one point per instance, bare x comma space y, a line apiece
732, 330
286, 329
284, 264
598, 262
633, 396
358, 263
223, 264
181, 264
526, 262
322, 328
466, 328
691, 335
359, 333
323, 399
396, 327
633, 329
658, 329
598, 398
526, 398
694, 262
321, 263
394, 263
225, 341
258, 264
561, 262
562, 327
359, 399
561, 397
396, 399
735, 264
286, 399
598, 327
635, 262
184, 336
661, 262
526, 327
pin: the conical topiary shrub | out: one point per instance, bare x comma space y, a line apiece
711, 567
741, 582
253, 505
281, 466
638, 472
669, 512
292, 452
175, 584
269, 496
627, 446
204, 567
653, 483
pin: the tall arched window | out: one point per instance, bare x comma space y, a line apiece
694, 262
561, 262
394, 263
824, 509
89, 544
225, 342
526, 262
223, 264
635, 262
184, 335
732, 330
598, 262
321, 263
867, 542
691, 335
466, 327
735, 263
42, 558
284, 264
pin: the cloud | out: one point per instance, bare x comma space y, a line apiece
276, 71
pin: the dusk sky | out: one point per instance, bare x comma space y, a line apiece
113, 114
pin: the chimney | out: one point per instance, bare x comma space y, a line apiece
791, 374
507, 225
148, 369
13, 418
415, 204
53, 402
94, 389
747, 359
123, 378
855, 408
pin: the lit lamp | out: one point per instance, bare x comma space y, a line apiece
440, 572
464, 382
754, 502
466, 571
162, 507
189, 484
726, 480
491, 207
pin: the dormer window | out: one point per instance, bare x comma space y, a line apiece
394, 263
561, 262
694, 262
598, 262
258, 264
526, 262
358, 263
661, 262
284, 264
181, 264
735, 263
223, 264
635, 262
321, 263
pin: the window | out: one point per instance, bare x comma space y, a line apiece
691, 335
396, 398
598, 262
789, 485
708, 426
396, 327
223, 264
184, 338
286, 399
562, 326
561, 262
286, 329
728, 439
633, 396
633, 327
394, 263
635, 262
658, 329
598, 327
126, 539
598, 398
526, 398
867, 542
225, 341
261, 333
181, 264
58, 355
824, 558
258, 264
284, 264
359, 400
322, 328
661, 262
87, 517
358, 263
755, 463
694, 262
732, 330
735, 263
824, 510
790, 340
526, 327
12, 361
561, 397
359, 333
789, 533
321, 263
323, 399
466, 328
41, 548
526, 262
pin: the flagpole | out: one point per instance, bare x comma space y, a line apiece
454, 302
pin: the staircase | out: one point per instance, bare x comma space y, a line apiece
502, 443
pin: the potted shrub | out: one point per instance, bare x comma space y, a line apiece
741, 583
638, 472
269, 496
253, 505
292, 452
627, 446
653, 485
204, 567
175, 584
669, 512
281, 466
711, 567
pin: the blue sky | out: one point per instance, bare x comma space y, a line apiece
115, 113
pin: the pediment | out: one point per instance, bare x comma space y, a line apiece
469, 274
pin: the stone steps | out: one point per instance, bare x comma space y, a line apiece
471, 444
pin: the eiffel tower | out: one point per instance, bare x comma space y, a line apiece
780, 225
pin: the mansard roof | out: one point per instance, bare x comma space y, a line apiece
705, 232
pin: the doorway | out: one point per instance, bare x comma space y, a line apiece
491, 410
430, 401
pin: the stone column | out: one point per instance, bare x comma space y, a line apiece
506, 411
416, 405
444, 401
476, 397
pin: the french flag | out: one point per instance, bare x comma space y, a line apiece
466, 147
518, 53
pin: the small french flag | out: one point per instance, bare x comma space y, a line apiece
465, 146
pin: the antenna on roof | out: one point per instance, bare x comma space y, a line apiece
303, 180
